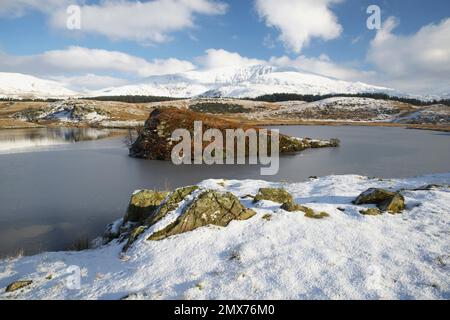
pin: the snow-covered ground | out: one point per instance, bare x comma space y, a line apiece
340, 108
344, 256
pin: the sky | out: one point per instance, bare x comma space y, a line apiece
115, 42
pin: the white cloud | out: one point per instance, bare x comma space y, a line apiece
323, 65
300, 20
419, 62
146, 22
84, 60
216, 58
89, 82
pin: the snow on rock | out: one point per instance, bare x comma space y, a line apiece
345, 256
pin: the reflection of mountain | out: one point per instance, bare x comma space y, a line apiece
34, 138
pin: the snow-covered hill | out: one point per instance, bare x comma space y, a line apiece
248, 82
20, 86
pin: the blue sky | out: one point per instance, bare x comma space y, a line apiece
31, 28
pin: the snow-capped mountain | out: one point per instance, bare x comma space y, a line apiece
17, 85
248, 82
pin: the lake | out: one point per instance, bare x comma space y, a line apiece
60, 185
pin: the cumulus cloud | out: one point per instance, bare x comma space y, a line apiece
80, 59
419, 62
298, 21
146, 22
89, 81
216, 58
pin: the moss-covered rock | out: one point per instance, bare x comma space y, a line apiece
209, 208
18, 285
374, 196
309, 213
273, 194
134, 235
143, 204
371, 212
394, 205
131, 232
294, 207
386, 201
315, 215
170, 204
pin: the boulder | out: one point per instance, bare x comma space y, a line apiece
374, 196
142, 204
386, 201
209, 208
273, 194
394, 205
170, 204
18, 285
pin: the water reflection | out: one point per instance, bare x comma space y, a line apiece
22, 140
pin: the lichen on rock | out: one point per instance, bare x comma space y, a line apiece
309, 213
209, 208
371, 212
278, 195
386, 201
142, 204
18, 285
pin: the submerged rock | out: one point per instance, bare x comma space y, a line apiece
18, 285
386, 201
274, 194
209, 208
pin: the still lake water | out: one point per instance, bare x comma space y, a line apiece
54, 191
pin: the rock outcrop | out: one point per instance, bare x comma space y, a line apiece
209, 208
200, 208
154, 140
386, 201
142, 204
17, 285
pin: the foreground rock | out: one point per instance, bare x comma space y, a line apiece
194, 208
154, 141
282, 196
273, 194
18, 285
209, 208
386, 201
142, 204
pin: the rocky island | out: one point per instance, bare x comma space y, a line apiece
154, 141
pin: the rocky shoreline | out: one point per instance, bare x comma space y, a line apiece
225, 239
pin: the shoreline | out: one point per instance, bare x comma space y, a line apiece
274, 122
220, 255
